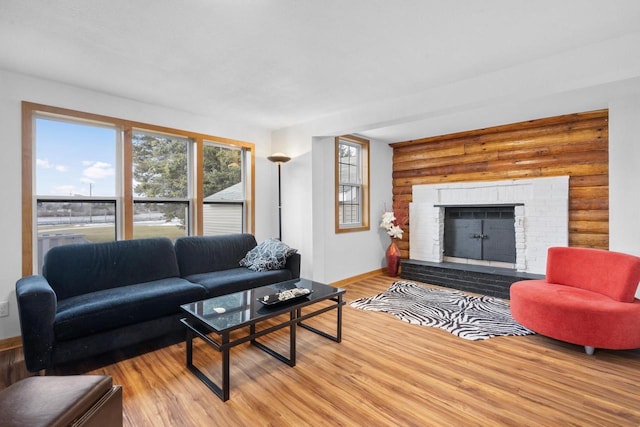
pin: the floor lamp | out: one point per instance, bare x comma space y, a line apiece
279, 159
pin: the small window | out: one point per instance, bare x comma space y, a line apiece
352, 184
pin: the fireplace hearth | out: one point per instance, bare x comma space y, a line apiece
478, 279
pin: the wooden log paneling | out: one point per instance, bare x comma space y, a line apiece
576, 145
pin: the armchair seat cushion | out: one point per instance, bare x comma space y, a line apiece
576, 315
94, 312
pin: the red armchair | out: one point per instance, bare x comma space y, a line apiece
587, 298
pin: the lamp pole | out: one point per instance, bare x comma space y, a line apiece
279, 159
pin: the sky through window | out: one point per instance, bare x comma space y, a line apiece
75, 159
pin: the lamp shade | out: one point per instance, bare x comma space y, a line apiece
279, 158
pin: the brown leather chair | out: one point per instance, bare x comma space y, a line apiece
75, 400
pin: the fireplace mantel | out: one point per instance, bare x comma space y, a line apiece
541, 215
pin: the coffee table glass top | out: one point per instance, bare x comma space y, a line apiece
235, 310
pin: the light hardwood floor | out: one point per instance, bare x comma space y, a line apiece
384, 373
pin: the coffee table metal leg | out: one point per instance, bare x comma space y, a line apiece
225, 366
223, 348
189, 342
338, 306
339, 326
291, 360
292, 339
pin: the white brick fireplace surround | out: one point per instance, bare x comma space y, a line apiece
541, 216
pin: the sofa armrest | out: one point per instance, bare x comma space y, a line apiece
37, 305
293, 264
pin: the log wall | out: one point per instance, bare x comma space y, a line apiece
576, 145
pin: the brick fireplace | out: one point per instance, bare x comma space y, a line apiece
541, 216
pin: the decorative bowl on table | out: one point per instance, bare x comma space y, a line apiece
285, 296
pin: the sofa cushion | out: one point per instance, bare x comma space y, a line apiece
271, 254
203, 254
77, 269
237, 279
112, 308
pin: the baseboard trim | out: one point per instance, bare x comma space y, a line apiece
341, 283
10, 343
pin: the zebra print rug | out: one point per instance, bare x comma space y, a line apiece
469, 317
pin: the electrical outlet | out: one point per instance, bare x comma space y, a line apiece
4, 308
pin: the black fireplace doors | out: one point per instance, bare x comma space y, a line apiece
480, 232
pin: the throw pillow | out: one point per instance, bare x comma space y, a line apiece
271, 254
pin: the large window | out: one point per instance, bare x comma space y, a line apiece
91, 178
352, 184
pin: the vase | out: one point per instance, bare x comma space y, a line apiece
393, 259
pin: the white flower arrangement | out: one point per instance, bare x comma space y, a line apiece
389, 223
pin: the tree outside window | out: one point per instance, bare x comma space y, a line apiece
160, 183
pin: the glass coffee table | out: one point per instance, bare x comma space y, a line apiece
213, 320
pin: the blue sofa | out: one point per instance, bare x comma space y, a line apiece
97, 297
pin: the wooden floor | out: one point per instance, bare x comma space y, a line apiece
384, 373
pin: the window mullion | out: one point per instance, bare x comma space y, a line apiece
126, 210
198, 191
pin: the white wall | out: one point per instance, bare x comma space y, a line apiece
15, 88
343, 255
624, 175
297, 203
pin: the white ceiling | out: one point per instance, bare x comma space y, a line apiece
276, 63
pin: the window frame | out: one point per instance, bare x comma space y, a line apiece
124, 192
363, 145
